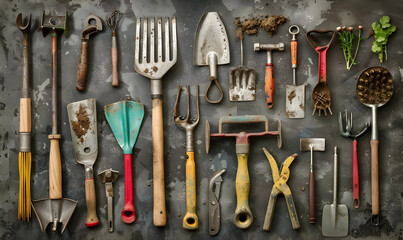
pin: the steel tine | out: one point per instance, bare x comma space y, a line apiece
188, 104
350, 125
198, 105
174, 40
152, 46
167, 56
176, 107
159, 29
145, 36
137, 42
20, 24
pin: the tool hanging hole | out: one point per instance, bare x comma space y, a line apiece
356, 203
87, 150
243, 218
269, 105
92, 21
190, 221
54, 21
128, 213
212, 229
161, 212
110, 224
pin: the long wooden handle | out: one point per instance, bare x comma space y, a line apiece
269, 85
243, 217
114, 55
55, 168
159, 214
25, 115
82, 65
190, 221
92, 218
375, 177
312, 199
356, 178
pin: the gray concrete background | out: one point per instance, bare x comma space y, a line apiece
308, 14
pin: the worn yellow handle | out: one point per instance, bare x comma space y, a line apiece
243, 217
190, 221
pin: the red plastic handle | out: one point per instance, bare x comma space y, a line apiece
269, 85
356, 178
128, 214
322, 63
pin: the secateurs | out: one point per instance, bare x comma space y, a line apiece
243, 216
188, 124
346, 132
280, 186
214, 203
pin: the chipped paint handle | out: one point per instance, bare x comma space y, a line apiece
269, 85
114, 55
128, 214
190, 221
356, 178
90, 198
243, 217
82, 66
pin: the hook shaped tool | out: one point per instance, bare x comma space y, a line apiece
214, 203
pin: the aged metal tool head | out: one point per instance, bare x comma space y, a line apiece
90, 28
27, 26
214, 202
108, 177
113, 19
55, 23
268, 47
187, 123
346, 132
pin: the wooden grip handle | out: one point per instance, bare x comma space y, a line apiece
294, 51
269, 85
356, 179
159, 214
243, 217
55, 168
25, 115
375, 177
90, 198
312, 200
190, 221
82, 66
114, 55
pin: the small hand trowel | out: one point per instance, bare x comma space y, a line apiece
83, 127
211, 48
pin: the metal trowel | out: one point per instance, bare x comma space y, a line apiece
83, 127
211, 48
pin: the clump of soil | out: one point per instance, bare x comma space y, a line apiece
251, 26
82, 125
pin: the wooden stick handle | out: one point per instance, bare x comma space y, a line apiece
82, 65
114, 55
375, 177
25, 115
312, 199
159, 214
55, 168
92, 218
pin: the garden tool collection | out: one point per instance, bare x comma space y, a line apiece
108, 177
335, 216
89, 29
243, 217
155, 69
374, 89
214, 202
295, 95
83, 126
321, 94
312, 144
188, 124
24, 156
211, 48
112, 22
125, 118
346, 132
280, 186
268, 77
242, 87
55, 209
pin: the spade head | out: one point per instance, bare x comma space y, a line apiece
335, 220
53, 211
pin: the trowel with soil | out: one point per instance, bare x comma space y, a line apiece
83, 126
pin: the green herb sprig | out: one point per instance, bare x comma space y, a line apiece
381, 33
346, 37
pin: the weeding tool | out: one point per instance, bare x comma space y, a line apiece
374, 89
280, 186
24, 157
346, 132
321, 93
312, 144
211, 48
295, 95
155, 69
188, 124
335, 216
125, 118
85, 40
243, 217
214, 202
268, 77
83, 126
55, 209
113, 23
108, 177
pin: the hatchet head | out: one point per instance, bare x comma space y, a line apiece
53, 211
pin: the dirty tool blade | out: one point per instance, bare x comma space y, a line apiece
295, 101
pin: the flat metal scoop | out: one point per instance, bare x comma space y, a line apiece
335, 216
211, 48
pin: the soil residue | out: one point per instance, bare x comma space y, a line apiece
251, 26
375, 86
291, 96
82, 125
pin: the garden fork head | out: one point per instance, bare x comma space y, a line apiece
346, 132
187, 123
